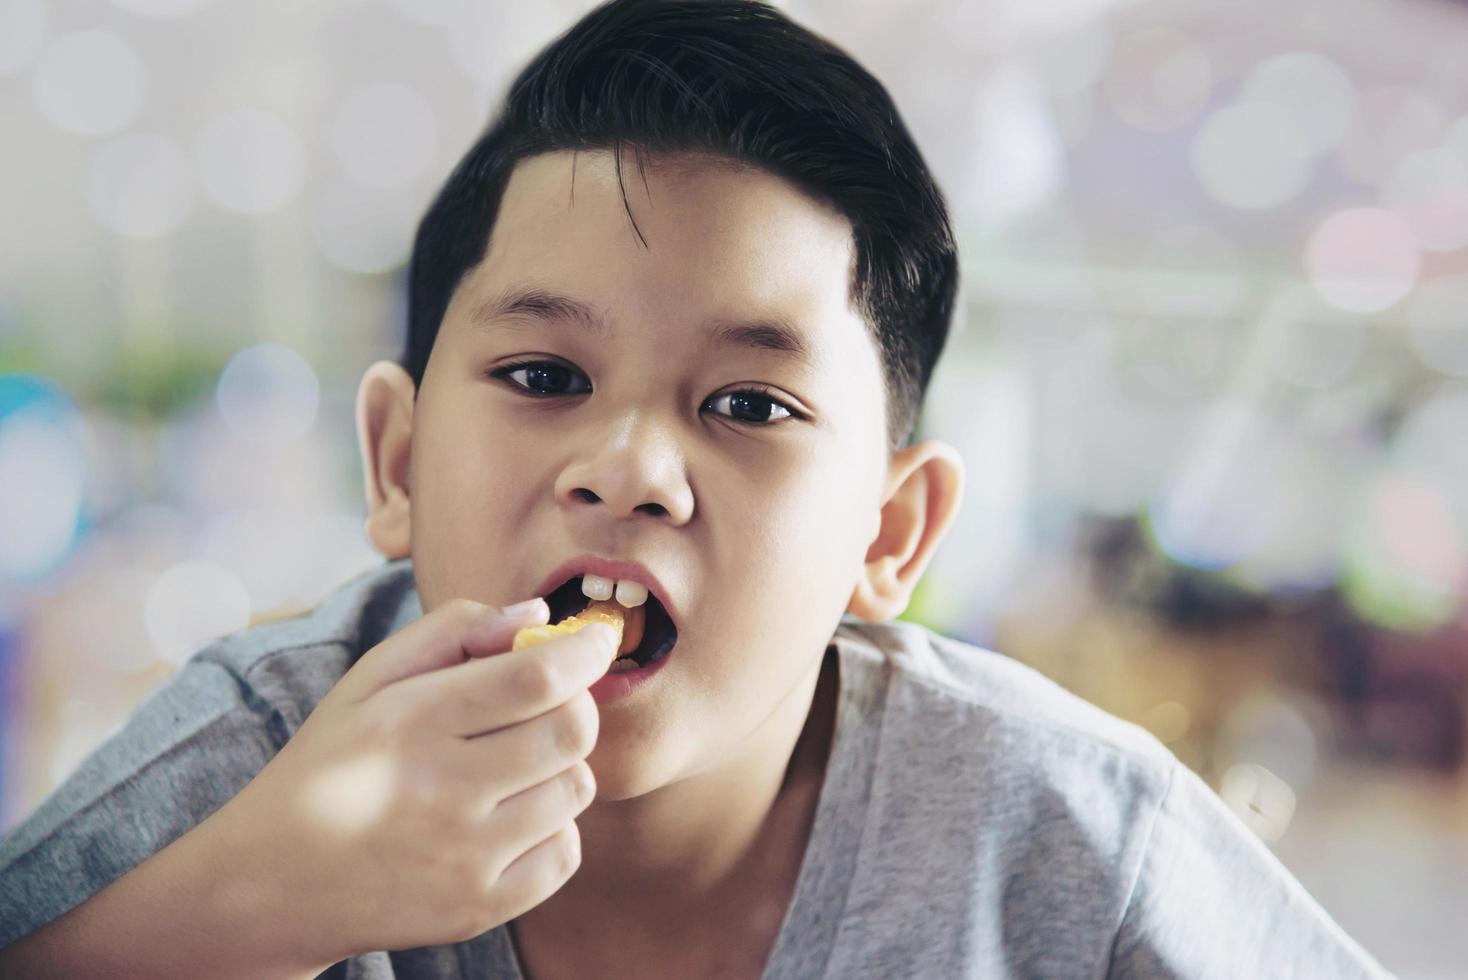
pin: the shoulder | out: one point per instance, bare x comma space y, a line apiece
999, 706
290, 664
1019, 809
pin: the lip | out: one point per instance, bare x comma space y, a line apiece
614, 687
610, 568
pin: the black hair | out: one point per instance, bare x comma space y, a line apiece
730, 78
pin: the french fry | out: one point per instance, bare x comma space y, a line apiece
599, 611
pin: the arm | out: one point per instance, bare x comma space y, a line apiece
193, 909
131, 857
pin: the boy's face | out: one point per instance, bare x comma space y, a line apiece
757, 529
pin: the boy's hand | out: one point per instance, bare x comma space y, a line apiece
431, 795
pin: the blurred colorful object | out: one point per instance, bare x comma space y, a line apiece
43, 475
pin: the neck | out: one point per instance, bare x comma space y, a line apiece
700, 853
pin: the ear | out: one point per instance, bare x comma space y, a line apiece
385, 436
923, 493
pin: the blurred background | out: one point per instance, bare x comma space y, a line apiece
1210, 374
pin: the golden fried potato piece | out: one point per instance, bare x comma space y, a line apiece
599, 611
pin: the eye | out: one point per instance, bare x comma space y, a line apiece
544, 378
751, 407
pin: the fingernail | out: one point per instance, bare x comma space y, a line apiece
523, 608
608, 634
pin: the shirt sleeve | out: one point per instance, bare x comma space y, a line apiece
1210, 900
185, 751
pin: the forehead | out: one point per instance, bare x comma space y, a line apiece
685, 239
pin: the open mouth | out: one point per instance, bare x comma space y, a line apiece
659, 635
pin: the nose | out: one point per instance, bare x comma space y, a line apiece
636, 467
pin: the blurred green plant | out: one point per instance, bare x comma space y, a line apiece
140, 382
154, 383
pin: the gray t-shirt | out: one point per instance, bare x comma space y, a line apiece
975, 819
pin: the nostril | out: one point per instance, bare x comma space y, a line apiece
656, 510
587, 495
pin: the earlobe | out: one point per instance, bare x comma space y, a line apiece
924, 490
385, 438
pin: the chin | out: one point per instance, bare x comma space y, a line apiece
618, 780
627, 765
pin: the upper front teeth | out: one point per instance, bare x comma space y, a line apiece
629, 593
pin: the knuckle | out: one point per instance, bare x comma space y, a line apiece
464, 608
486, 885
581, 784
389, 720
576, 727
535, 682
568, 852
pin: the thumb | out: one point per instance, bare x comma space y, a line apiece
453, 633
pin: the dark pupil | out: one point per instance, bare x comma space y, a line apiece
547, 377
757, 407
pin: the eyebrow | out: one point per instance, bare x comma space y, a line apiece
770, 333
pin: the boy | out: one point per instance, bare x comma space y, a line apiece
688, 395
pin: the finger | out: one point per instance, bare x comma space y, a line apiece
453, 633
503, 763
488, 694
518, 823
537, 874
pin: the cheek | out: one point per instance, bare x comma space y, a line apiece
473, 472
798, 548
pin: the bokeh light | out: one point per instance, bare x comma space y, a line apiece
1314, 91
140, 185
22, 30
1405, 561
1430, 190
249, 161
1271, 731
1363, 260
1393, 121
1429, 442
1020, 147
192, 603
339, 551
268, 395
1159, 79
1251, 155
266, 550
1260, 799
362, 229
89, 82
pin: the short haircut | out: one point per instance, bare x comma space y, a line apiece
730, 78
